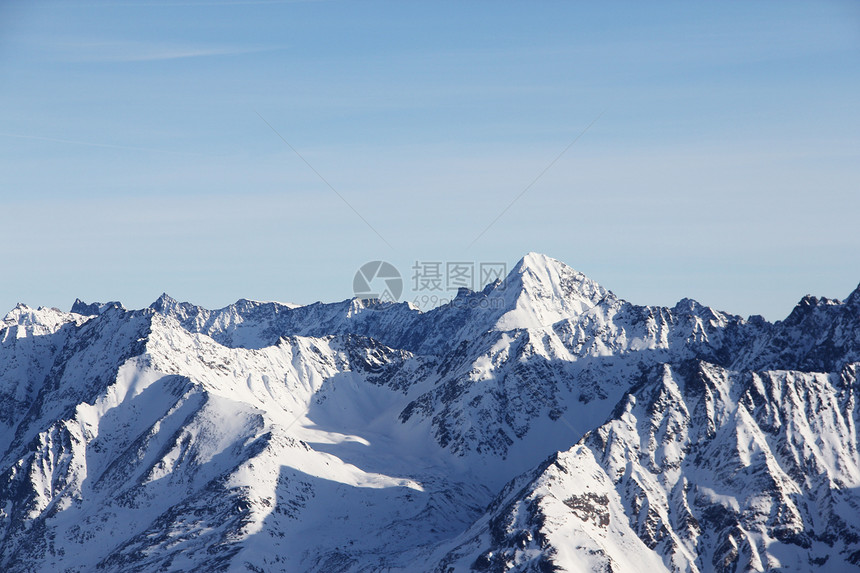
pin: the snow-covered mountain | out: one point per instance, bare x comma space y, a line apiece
541, 424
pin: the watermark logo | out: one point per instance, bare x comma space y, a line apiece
433, 283
378, 280
454, 275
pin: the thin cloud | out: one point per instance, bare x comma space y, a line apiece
95, 144
121, 52
203, 4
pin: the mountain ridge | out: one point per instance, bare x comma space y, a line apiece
541, 423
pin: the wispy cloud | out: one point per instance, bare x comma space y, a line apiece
202, 3
95, 144
125, 51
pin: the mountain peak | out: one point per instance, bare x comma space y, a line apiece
854, 297
543, 290
95, 308
534, 259
14, 315
164, 302
541, 266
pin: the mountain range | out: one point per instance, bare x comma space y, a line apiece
540, 424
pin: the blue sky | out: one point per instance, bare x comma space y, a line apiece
723, 165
